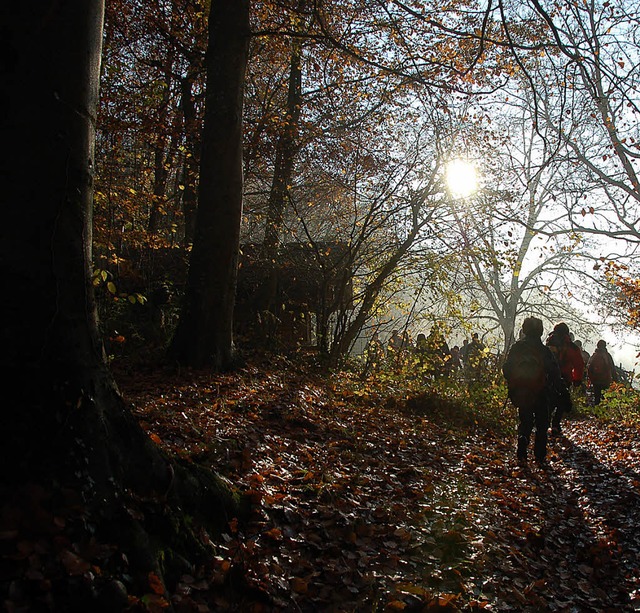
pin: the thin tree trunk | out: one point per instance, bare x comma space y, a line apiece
204, 336
191, 162
285, 157
278, 197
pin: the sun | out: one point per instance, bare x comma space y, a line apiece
461, 178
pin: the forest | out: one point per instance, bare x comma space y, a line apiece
218, 215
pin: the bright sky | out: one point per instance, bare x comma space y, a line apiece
462, 178
623, 351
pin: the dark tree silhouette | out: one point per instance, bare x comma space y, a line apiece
67, 427
204, 336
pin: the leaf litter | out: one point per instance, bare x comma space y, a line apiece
362, 504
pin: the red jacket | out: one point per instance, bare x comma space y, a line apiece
569, 359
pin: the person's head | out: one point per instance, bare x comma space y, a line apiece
579, 343
601, 344
421, 337
532, 327
474, 336
561, 328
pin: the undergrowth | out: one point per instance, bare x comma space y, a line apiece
620, 403
455, 400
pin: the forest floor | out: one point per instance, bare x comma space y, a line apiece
368, 495
370, 499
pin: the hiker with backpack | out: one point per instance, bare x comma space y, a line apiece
571, 363
601, 371
534, 380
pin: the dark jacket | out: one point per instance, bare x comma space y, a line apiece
601, 369
553, 385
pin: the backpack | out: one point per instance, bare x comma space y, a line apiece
599, 368
526, 370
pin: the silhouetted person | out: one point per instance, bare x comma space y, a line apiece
475, 357
571, 365
601, 371
533, 378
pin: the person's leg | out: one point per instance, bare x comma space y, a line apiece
525, 428
597, 393
563, 405
557, 418
542, 425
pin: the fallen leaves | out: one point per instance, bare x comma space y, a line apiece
360, 506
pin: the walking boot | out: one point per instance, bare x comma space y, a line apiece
521, 454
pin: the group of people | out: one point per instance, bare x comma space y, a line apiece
432, 354
540, 377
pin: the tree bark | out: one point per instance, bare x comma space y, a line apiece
67, 427
285, 157
191, 162
204, 336
51, 88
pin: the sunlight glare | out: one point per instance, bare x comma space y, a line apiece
461, 177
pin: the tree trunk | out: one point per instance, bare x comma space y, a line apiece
49, 317
67, 428
279, 195
190, 171
285, 156
204, 336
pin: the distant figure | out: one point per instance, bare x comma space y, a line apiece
571, 366
421, 349
533, 379
585, 359
406, 345
585, 354
394, 345
463, 352
438, 352
456, 363
601, 371
475, 356
398, 348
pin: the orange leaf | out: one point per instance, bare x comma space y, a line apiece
155, 583
274, 534
73, 563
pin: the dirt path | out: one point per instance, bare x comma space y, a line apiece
568, 537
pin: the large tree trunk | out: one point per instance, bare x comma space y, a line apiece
204, 336
67, 428
49, 319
